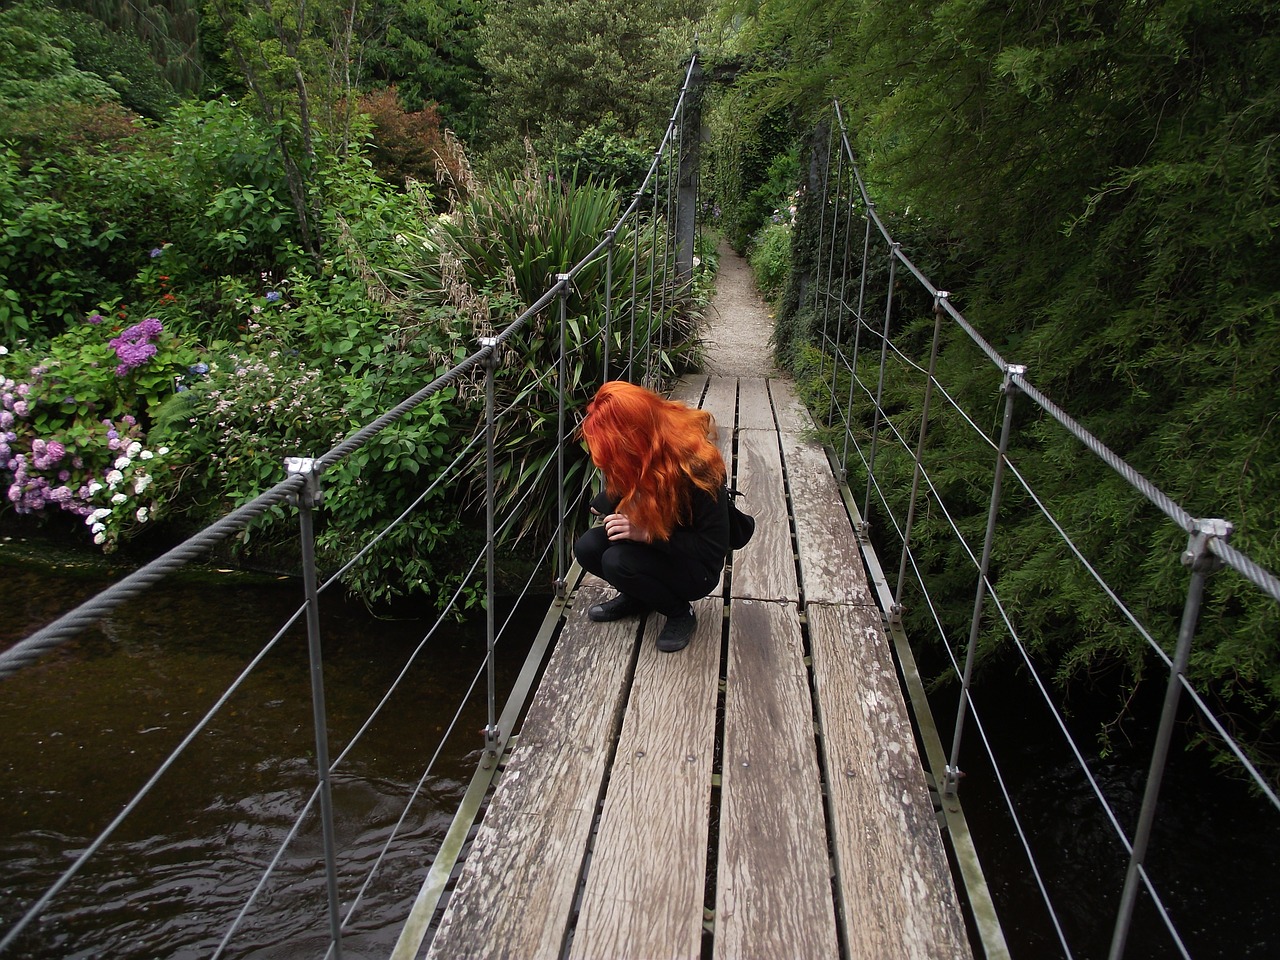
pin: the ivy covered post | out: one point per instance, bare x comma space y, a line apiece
687, 178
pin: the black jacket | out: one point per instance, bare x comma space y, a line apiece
702, 537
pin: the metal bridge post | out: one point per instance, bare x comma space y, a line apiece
884, 354
608, 303
840, 315
1202, 562
562, 562
817, 257
952, 778
864, 530
307, 500
690, 143
635, 288
647, 378
491, 733
895, 612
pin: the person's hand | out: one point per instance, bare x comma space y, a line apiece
618, 526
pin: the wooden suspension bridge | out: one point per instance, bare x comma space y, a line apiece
759, 794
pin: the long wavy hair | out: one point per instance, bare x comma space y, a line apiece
652, 452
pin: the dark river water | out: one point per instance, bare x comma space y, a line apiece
84, 728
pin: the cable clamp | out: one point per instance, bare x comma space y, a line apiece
490, 755
1012, 370
491, 344
310, 495
951, 780
1198, 556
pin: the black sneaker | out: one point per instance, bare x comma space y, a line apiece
619, 607
677, 632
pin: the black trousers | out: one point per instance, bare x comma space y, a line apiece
666, 582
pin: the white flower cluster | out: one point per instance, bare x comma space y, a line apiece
122, 487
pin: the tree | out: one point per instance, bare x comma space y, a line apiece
428, 50
37, 63
1108, 173
556, 68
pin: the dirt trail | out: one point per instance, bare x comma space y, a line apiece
737, 328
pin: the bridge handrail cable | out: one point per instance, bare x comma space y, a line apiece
75, 621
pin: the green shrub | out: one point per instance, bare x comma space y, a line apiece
770, 258
503, 250
69, 437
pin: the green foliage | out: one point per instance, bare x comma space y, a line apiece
556, 68
1101, 180
428, 50
771, 259
122, 60
45, 280
607, 155
499, 253
37, 65
237, 210
158, 46
752, 166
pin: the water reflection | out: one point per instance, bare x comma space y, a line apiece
88, 725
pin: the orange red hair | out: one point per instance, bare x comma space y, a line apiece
652, 452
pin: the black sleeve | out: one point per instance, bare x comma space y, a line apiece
604, 504
705, 537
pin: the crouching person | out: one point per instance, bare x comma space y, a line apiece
664, 530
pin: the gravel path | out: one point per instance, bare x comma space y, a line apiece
738, 324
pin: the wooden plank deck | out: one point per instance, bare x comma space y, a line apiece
758, 794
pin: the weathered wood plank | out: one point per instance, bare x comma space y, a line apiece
788, 409
644, 892
689, 388
830, 561
774, 894
898, 898
755, 411
515, 895
764, 569
721, 402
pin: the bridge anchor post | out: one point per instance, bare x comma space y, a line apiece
306, 500
490, 362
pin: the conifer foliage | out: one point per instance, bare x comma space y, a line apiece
1097, 183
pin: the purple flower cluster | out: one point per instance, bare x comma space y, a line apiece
134, 347
31, 491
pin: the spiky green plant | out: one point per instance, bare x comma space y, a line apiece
499, 253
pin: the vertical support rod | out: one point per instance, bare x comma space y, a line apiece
884, 355
490, 756
846, 210
647, 380
857, 334
896, 610
823, 202
951, 780
668, 249
635, 288
309, 498
562, 560
608, 305
831, 257
687, 196
1202, 563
